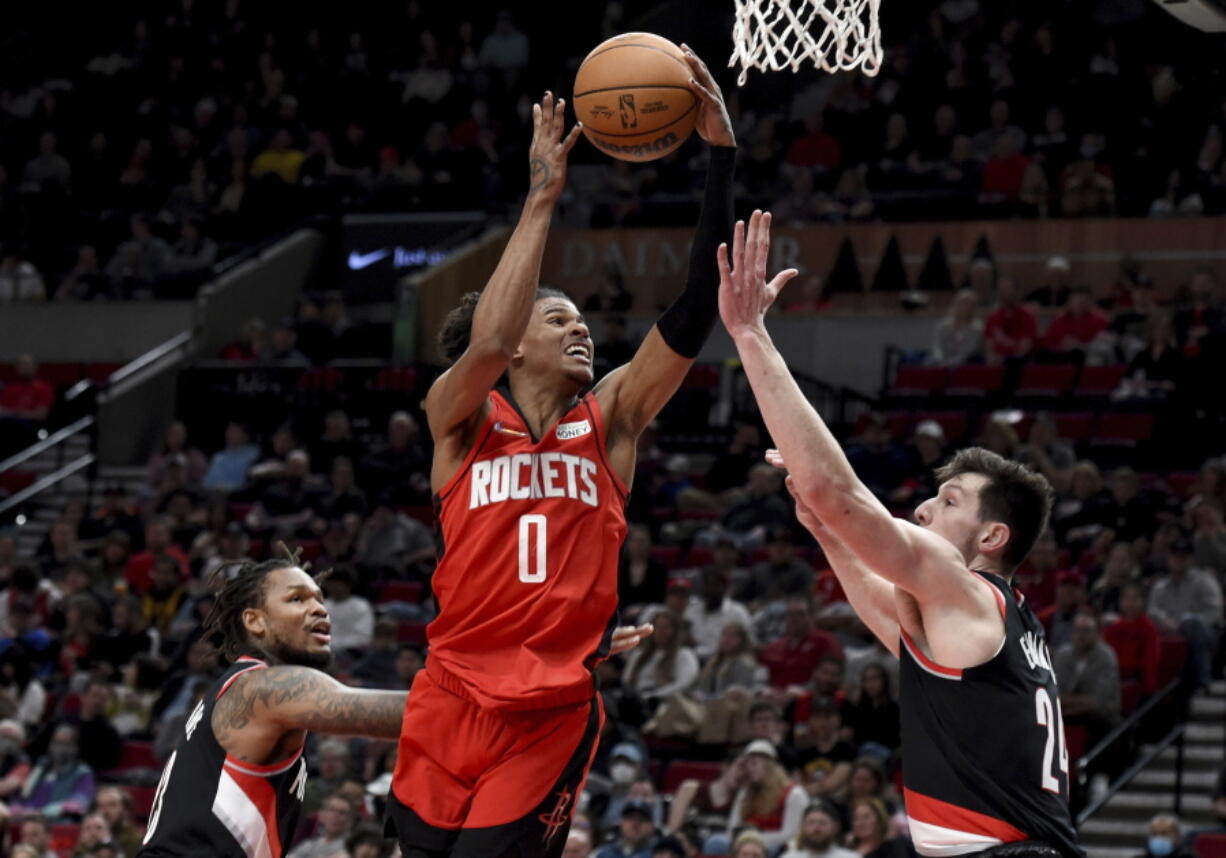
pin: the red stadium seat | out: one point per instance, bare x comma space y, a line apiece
1171, 658
699, 514
975, 379
1046, 379
1074, 425
699, 556
684, 770
1210, 846
701, 377
668, 556
915, 380
1130, 695
321, 378
411, 632
142, 801
899, 424
12, 482
1123, 429
1181, 483
399, 591
396, 378
60, 374
64, 837
423, 513
136, 755
1099, 380
1077, 739
953, 423
311, 549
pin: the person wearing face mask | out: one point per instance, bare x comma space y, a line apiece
1165, 838
61, 787
14, 764
625, 769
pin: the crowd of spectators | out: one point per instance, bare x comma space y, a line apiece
759, 674
133, 158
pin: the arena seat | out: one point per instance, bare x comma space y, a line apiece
668, 556
398, 591
1130, 696
142, 801
975, 379
917, 380
1077, 739
953, 423
699, 555
1046, 380
898, 423
423, 513
136, 755
321, 378
1115, 428
1182, 483
701, 377
411, 632
1074, 425
1171, 658
1210, 845
64, 837
396, 378
684, 770
12, 482
1099, 381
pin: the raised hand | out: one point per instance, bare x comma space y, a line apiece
547, 155
744, 294
713, 125
628, 637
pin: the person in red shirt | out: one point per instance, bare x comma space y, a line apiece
1075, 328
1011, 329
791, 659
1036, 577
1005, 172
1135, 639
815, 148
157, 543
29, 397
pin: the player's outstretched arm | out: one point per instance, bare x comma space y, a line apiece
502, 314
902, 553
287, 697
633, 395
870, 595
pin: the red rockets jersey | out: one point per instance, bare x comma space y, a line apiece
527, 580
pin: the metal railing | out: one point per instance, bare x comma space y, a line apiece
1174, 737
1126, 732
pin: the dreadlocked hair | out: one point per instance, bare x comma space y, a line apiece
239, 586
457, 330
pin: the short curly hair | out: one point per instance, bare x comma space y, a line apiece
457, 328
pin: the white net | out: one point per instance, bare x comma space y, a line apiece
835, 35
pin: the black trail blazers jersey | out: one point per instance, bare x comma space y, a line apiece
984, 758
209, 803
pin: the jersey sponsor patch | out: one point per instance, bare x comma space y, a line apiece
578, 429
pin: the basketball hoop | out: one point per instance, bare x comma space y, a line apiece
835, 35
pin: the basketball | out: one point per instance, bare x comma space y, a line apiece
633, 97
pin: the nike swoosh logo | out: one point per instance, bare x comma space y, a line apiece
358, 261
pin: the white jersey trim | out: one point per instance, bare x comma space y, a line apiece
936, 841
242, 818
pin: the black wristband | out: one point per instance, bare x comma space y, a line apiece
689, 320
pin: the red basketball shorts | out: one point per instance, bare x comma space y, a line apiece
495, 778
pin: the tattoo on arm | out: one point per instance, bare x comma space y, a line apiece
538, 174
307, 699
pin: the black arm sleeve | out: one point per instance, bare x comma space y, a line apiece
688, 321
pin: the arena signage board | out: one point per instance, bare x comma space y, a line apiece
379, 249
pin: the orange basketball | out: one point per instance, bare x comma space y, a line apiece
632, 95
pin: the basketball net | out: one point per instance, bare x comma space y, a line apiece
836, 35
